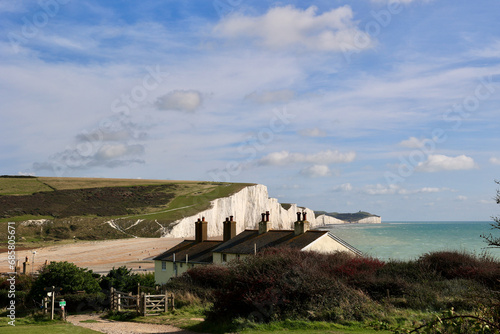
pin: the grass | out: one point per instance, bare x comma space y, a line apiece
53, 328
304, 327
22, 186
62, 183
191, 200
24, 218
287, 326
187, 317
30, 325
157, 202
191, 318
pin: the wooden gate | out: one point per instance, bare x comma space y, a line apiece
144, 304
155, 304
122, 301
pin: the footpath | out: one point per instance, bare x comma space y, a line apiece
94, 322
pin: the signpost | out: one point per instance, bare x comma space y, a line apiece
62, 303
51, 292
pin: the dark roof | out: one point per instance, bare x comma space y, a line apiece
245, 242
197, 252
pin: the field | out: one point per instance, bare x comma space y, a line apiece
30, 326
49, 209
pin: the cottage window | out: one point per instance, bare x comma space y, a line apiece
163, 265
224, 257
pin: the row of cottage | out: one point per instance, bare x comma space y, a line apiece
201, 250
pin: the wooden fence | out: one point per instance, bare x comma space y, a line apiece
145, 304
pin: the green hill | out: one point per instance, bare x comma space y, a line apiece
348, 217
81, 208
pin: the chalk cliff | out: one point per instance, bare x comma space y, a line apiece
324, 219
246, 206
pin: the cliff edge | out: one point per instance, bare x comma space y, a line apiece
246, 207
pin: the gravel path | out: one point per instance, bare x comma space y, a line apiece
120, 327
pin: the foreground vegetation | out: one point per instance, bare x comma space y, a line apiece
282, 285
40, 325
288, 290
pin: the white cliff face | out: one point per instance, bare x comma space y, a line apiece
370, 220
246, 207
324, 219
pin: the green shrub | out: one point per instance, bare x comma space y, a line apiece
280, 284
457, 264
86, 302
124, 280
66, 276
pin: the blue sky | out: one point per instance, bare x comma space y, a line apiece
391, 107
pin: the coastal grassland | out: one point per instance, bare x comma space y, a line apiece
21, 186
96, 209
194, 199
64, 183
37, 325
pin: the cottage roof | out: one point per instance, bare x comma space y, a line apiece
197, 252
245, 242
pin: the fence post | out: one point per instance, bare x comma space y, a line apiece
173, 301
119, 302
138, 301
45, 301
166, 302
112, 298
144, 306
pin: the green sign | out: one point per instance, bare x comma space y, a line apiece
63, 303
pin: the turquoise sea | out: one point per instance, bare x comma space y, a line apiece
408, 240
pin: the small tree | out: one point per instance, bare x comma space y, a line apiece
490, 239
66, 276
124, 280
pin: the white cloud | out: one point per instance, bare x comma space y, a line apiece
312, 132
323, 157
289, 27
343, 187
393, 2
494, 161
181, 100
491, 51
439, 162
413, 142
391, 189
461, 198
379, 189
275, 96
316, 171
108, 152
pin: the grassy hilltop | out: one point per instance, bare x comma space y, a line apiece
79, 208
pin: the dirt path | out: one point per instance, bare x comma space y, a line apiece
120, 327
100, 256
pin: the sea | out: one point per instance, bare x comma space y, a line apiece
407, 240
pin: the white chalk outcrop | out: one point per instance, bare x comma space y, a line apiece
370, 220
324, 220
246, 206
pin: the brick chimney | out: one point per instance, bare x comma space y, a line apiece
201, 230
264, 225
301, 226
229, 229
